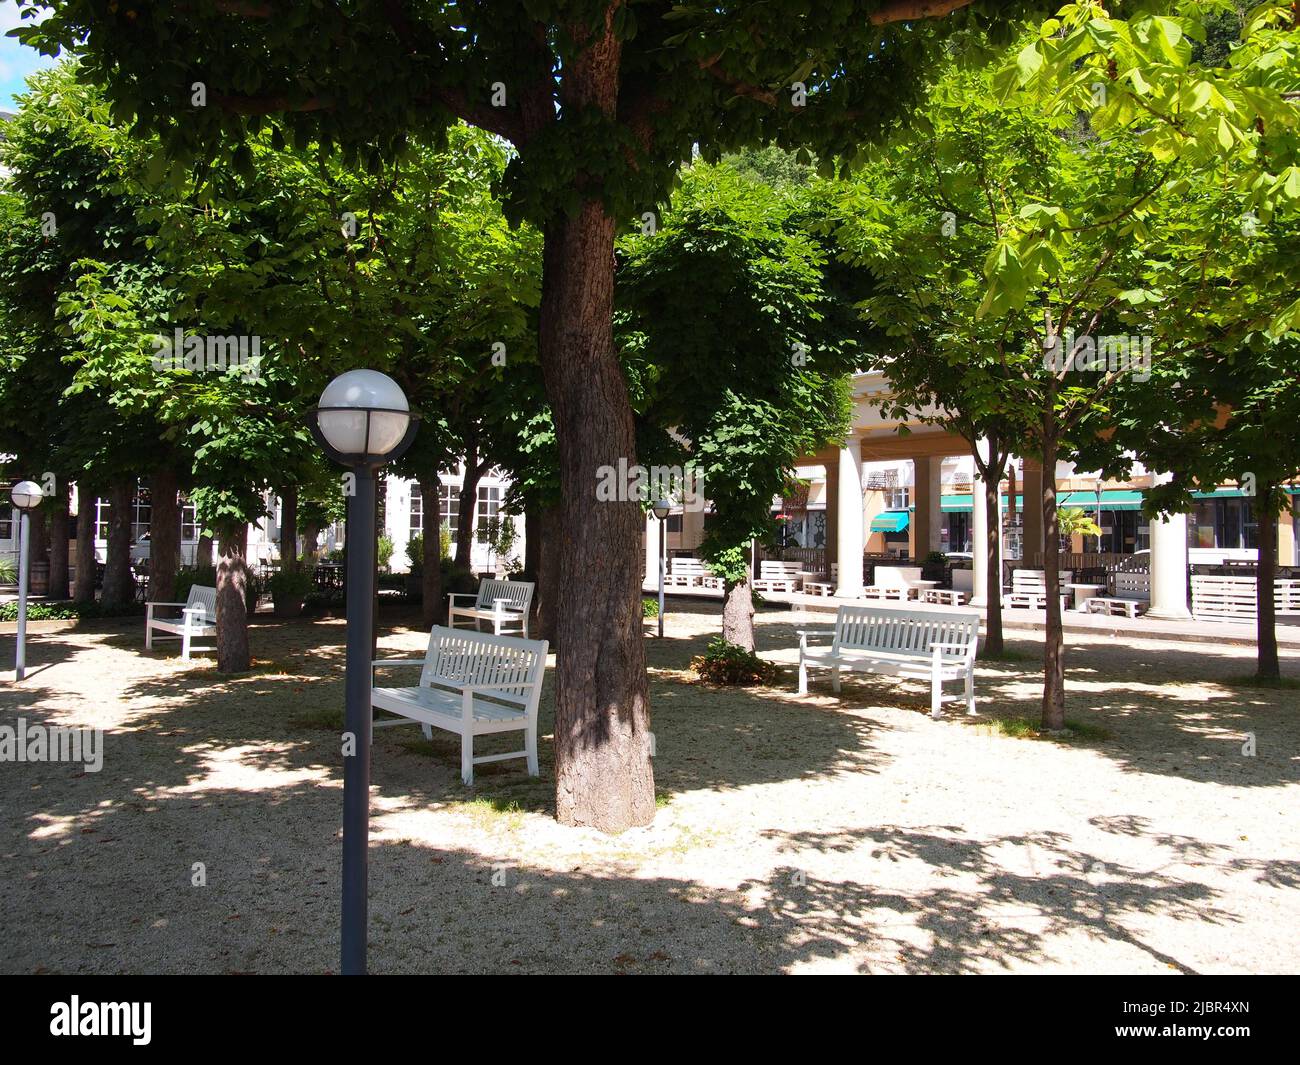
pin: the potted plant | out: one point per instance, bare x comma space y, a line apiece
289, 589
415, 556
934, 567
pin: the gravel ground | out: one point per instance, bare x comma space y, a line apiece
827, 833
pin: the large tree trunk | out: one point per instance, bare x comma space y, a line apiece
203, 552
547, 593
119, 588
993, 641
84, 589
164, 535
310, 534
532, 543
1266, 663
1053, 638
738, 613
59, 544
434, 608
38, 549
602, 715
289, 528
233, 654
468, 508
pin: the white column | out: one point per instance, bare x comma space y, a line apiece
652, 527
1169, 565
979, 538
927, 475
848, 529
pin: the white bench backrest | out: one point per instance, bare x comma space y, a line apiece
201, 595
688, 567
502, 663
778, 571
1035, 580
895, 576
519, 594
869, 628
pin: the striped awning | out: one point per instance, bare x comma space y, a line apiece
890, 521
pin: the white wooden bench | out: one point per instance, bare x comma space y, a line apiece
933, 645
1235, 599
892, 582
1132, 593
1029, 588
685, 572
820, 587
198, 618
505, 604
945, 596
472, 684
778, 577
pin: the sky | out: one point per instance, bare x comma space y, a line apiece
16, 60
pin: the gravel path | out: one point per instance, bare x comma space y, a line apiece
828, 833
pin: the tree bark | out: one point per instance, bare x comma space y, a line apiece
164, 535
602, 715
203, 552
58, 588
233, 654
1054, 641
289, 528
464, 552
84, 589
994, 644
532, 543
310, 534
547, 593
738, 614
119, 588
1266, 661
434, 607
38, 549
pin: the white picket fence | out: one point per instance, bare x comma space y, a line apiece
1233, 598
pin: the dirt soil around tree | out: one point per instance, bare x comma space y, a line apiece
827, 833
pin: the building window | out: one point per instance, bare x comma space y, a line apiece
417, 511
101, 519
674, 523
449, 506
489, 505
898, 498
7, 523
141, 515
189, 522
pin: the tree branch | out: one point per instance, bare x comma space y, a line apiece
911, 10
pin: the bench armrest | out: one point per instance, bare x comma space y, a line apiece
397, 661
462, 595
156, 603
956, 650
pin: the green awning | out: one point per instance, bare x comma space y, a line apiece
1115, 499
890, 521
1220, 493
958, 503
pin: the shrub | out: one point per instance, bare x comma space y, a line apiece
69, 611
290, 584
730, 664
8, 571
384, 552
415, 553
649, 608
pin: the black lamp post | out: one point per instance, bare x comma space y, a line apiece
362, 421
661, 509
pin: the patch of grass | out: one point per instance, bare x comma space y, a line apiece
1024, 728
662, 799
325, 718
1277, 683
1008, 654
494, 812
